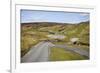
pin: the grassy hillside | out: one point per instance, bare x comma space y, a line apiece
32, 33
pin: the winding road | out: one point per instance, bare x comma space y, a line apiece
40, 52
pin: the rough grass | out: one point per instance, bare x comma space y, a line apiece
27, 42
60, 54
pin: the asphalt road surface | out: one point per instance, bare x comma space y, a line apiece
40, 52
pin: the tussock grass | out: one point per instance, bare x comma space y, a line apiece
26, 43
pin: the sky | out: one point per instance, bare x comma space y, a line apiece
53, 16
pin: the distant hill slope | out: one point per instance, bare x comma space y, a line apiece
69, 30
46, 24
50, 23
